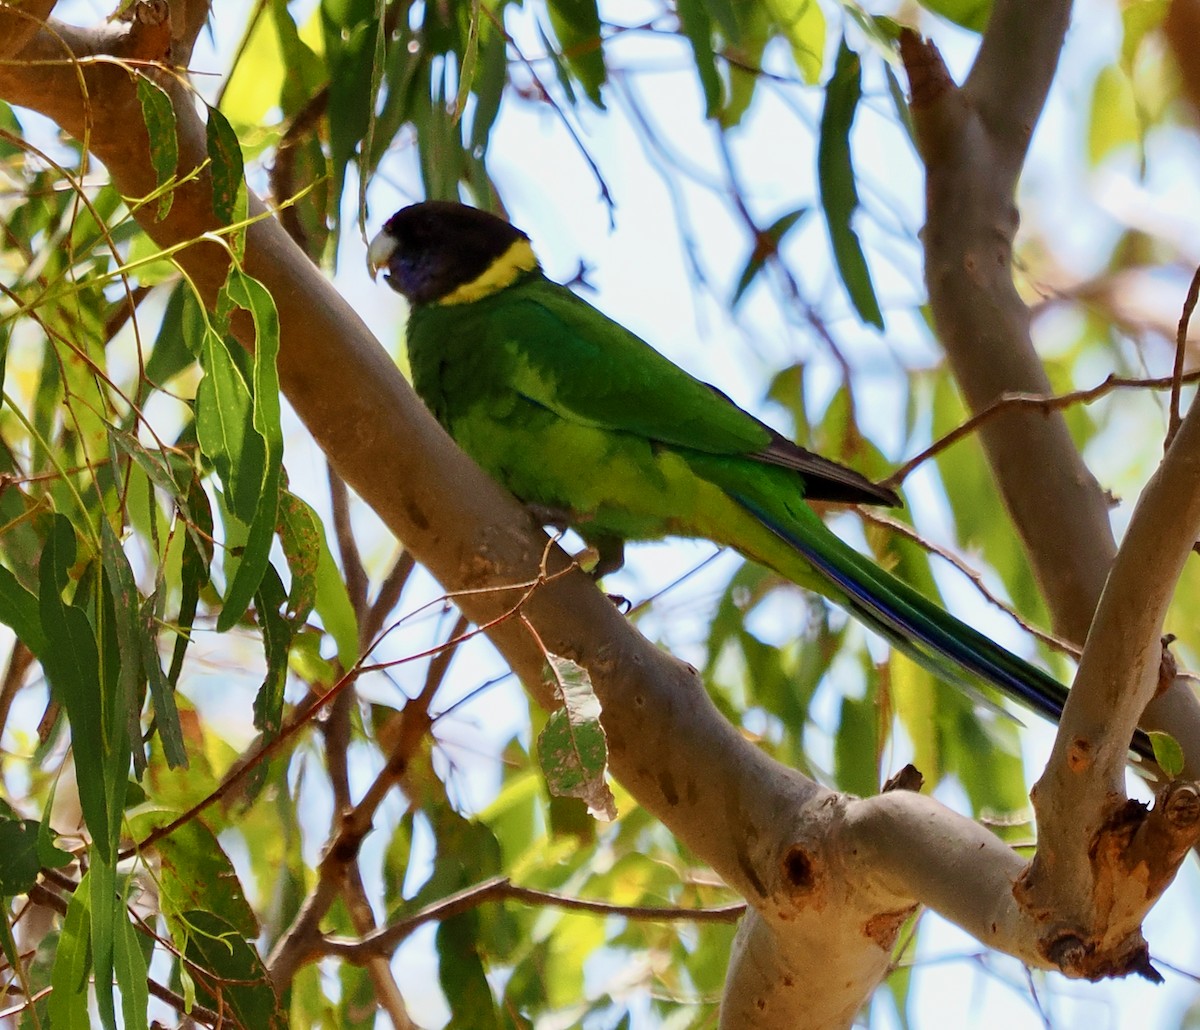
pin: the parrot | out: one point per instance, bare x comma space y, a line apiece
590, 427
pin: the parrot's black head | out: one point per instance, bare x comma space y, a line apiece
439, 252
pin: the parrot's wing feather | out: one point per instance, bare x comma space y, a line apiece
573, 360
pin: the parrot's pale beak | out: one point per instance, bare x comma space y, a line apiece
380, 251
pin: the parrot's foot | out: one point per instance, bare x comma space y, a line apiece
547, 515
611, 554
609, 550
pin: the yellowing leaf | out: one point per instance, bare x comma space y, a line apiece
803, 24
1113, 122
257, 81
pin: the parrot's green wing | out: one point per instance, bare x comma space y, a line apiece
564, 355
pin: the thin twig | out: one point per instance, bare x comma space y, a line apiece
1040, 402
605, 195
352, 567
352, 825
500, 888
1189, 305
387, 598
274, 746
906, 531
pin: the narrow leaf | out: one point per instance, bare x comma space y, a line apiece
576, 25
235, 971
765, 249
130, 966
250, 294
697, 26
19, 612
277, 639
73, 962
334, 606
127, 698
224, 426
228, 176
300, 534
72, 664
839, 195
107, 910
162, 694
159, 115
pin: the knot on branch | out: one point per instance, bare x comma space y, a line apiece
149, 37
1164, 835
1133, 857
799, 870
1085, 960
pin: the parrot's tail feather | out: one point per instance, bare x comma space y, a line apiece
931, 636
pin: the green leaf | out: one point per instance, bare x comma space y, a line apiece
573, 749
1167, 752
49, 854
970, 14
195, 872
130, 966
159, 115
251, 295
194, 572
725, 15
162, 694
839, 194
171, 354
107, 910
855, 763
20, 861
462, 974
226, 169
126, 699
73, 962
743, 78
697, 26
489, 85
334, 606
277, 638
19, 612
576, 25
300, 534
350, 34
224, 426
316, 580
72, 664
765, 248
238, 983
470, 58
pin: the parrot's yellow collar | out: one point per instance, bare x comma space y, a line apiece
502, 272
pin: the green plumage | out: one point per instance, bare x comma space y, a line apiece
576, 415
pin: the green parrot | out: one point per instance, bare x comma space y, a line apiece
590, 426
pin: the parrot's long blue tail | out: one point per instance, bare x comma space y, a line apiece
908, 620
